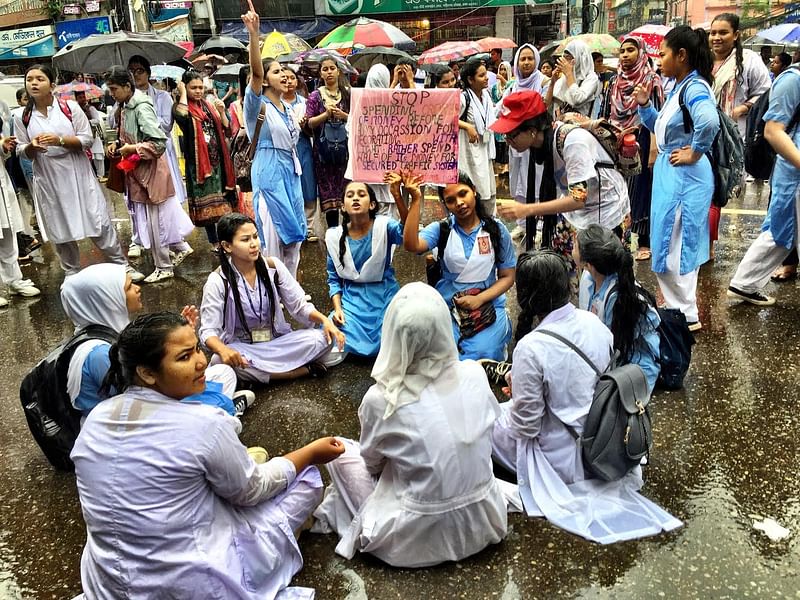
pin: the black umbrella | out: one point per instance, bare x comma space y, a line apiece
366, 57
228, 73
221, 44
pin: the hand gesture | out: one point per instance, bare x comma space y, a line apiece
181, 87
557, 73
127, 149
472, 133
468, 302
566, 66
37, 146
251, 20
220, 106
684, 156
325, 449
332, 333
232, 358
412, 183
191, 314
393, 179
642, 94
338, 316
511, 210
48, 139
9, 144
111, 150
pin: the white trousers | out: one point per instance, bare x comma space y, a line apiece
761, 259
9, 267
679, 291
70, 254
225, 375
288, 254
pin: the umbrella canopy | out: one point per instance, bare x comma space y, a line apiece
214, 59
652, 35
597, 42
785, 33
448, 52
278, 44
221, 44
69, 89
96, 53
364, 59
488, 44
228, 73
366, 33
166, 72
313, 58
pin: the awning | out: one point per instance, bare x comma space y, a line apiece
304, 28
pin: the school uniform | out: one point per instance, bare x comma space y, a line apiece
476, 159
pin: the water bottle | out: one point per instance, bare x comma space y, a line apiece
630, 147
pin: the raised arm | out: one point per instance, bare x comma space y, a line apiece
252, 22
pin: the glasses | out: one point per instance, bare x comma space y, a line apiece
510, 137
138, 71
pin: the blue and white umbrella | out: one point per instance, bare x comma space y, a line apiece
785, 33
166, 72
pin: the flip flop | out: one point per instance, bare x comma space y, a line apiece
644, 255
784, 277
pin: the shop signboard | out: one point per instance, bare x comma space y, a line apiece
177, 29
27, 42
368, 7
72, 31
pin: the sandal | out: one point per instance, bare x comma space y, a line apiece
784, 274
317, 369
644, 254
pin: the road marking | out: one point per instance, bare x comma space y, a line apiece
743, 211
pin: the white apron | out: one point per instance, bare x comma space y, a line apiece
480, 263
373, 269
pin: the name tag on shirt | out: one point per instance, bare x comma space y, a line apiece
207, 137
261, 335
484, 244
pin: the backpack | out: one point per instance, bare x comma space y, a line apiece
433, 267
617, 432
726, 154
53, 421
62, 104
243, 150
675, 348
332, 144
610, 138
759, 157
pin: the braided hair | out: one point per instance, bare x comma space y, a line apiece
543, 285
373, 212
602, 249
141, 344
227, 227
733, 20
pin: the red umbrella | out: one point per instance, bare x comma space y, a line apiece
488, 44
69, 89
652, 35
448, 52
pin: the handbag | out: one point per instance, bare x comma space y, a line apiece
243, 150
332, 146
116, 178
471, 322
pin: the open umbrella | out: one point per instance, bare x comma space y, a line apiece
214, 59
786, 33
449, 51
166, 72
277, 44
96, 53
597, 42
228, 73
365, 33
221, 44
364, 59
313, 58
652, 35
488, 44
69, 89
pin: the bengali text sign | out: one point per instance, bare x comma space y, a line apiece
404, 130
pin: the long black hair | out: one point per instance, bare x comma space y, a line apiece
470, 69
698, 52
344, 84
227, 227
601, 248
50, 73
140, 344
436, 76
490, 224
244, 75
373, 212
733, 21
543, 285
190, 75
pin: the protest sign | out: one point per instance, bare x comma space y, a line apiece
404, 130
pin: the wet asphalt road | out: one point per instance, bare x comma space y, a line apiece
725, 455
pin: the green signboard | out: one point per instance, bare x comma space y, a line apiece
374, 7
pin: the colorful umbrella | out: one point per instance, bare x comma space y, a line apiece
277, 44
597, 42
364, 33
785, 33
69, 89
488, 44
449, 52
652, 35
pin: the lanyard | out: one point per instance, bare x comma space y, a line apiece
260, 300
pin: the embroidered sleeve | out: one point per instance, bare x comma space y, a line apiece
579, 191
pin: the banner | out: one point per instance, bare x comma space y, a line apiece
72, 31
176, 29
27, 42
368, 7
404, 130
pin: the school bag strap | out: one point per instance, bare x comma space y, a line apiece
62, 104
467, 102
262, 116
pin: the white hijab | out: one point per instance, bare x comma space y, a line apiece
96, 296
532, 82
583, 67
378, 77
416, 345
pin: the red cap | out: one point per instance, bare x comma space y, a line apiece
518, 107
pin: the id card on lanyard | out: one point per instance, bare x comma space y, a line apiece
260, 334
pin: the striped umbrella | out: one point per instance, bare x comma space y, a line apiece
449, 51
366, 33
278, 44
69, 89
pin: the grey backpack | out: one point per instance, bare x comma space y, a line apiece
617, 432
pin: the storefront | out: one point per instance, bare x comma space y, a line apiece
23, 46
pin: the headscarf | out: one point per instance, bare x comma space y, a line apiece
533, 81
378, 77
417, 344
583, 67
96, 296
624, 109
201, 110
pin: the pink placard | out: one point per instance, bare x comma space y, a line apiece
404, 130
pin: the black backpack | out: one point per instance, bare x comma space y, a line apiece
433, 268
675, 348
726, 154
617, 432
332, 145
759, 157
52, 419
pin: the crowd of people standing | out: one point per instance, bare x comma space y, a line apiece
192, 508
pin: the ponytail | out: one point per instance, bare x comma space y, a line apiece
543, 285
698, 52
114, 381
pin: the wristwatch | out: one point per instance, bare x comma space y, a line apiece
61, 140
